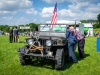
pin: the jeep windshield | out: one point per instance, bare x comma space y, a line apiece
55, 28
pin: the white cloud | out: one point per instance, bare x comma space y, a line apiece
15, 5
78, 6
93, 8
67, 13
72, 1
22, 19
47, 11
34, 19
79, 9
14, 0
89, 15
7, 12
82, 0
6, 18
31, 11
11, 7
53, 1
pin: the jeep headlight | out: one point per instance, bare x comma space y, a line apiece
30, 41
48, 43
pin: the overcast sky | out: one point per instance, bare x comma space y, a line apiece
16, 12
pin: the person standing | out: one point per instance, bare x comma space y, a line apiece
94, 34
10, 35
71, 45
81, 42
16, 36
99, 34
31, 34
85, 33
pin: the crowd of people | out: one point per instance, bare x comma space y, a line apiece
90, 33
97, 34
1, 33
14, 34
74, 37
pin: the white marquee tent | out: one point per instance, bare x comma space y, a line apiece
89, 25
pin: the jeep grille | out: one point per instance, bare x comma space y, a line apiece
42, 42
54, 42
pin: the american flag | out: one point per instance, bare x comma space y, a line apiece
54, 16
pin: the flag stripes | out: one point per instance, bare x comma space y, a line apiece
54, 17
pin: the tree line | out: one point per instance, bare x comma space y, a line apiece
32, 26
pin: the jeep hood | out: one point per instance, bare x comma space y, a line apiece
53, 35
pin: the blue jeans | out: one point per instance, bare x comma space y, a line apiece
71, 49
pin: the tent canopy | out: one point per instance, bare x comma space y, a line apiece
86, 29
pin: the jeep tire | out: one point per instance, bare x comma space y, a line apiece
59, 63
24, 60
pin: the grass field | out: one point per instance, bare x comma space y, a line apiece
10, 65
96, 30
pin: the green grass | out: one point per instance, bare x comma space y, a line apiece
10, 65
96, 30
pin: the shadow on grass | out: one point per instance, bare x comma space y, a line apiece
79, 58
50, 64
68, 64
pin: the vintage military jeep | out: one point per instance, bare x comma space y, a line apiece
50, 43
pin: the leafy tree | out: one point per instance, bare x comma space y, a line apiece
37, 26
98, 17
4, 28
32, 26
83, 21
96, 25
1, 27
27, 25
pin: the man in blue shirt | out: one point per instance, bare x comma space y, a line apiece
71, 45
16, 37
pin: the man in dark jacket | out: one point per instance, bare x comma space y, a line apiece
11, 35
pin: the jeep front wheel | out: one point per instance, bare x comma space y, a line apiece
59, 63
24, 60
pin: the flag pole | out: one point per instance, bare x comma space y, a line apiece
54, 18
